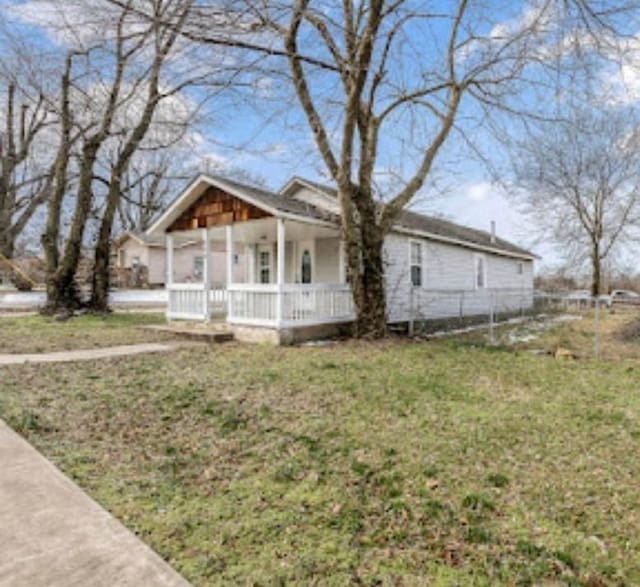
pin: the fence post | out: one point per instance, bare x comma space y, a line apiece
597, 329
411, 325
491, 318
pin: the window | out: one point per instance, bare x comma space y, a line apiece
480, 271
236, 258
416, 264
520, 268
198, 266
264, 267
305, 267
135, 262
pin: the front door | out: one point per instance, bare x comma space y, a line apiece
305, 261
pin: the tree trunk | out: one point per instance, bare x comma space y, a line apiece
364, 240
371, 319
596, 275
63, 294
100, 284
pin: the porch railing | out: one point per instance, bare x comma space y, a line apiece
195, 301
262, 304
289, 304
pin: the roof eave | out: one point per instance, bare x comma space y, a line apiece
167, 218
464, 243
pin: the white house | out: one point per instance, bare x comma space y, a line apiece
293, 282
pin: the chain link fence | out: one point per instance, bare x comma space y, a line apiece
601, 327
432, 311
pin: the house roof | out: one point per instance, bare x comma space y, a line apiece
276, 201
150, 240
275, 204
413, 221
296, 180
431, 226
153, 240
281, 205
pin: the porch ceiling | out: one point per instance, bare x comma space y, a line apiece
261, 230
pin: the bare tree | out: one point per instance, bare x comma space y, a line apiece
24, 182
368, 73
119, 71
163, 40
146, 187
579, 183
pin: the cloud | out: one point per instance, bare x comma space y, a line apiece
479, 191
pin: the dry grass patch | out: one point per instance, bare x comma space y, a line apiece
39, 334
372, 464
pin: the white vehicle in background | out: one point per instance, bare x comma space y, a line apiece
625, 296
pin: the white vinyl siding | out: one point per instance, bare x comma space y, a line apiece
319, 200
327, 255
448, 271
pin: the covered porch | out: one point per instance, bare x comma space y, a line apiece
258, 266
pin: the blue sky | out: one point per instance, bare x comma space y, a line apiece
269, 138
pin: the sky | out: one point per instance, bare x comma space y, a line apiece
270, 139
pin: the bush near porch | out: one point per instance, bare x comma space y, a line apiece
440, 463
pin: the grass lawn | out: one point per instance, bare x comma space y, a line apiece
439, 463
39, 334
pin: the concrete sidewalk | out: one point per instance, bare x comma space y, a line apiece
90, 354
53, 535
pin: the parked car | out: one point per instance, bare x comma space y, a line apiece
625, 296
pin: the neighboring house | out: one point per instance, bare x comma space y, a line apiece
294, 280
137, 251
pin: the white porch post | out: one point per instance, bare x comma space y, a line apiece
169, 252
251, 263
280, 270
168, 280
342, 265
229, 235
206, 278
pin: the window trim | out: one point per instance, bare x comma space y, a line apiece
485, 284
520, 268
196, 274
264, 249
413, 241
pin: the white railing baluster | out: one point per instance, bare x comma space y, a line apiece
302, 304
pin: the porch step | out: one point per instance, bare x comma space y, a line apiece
213, 334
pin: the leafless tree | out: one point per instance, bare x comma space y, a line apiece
578, 181
24, 182
147, 185
163, 39
368, 73
118, 71
127, 65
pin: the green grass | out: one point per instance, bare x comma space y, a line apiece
37, 334
374, 464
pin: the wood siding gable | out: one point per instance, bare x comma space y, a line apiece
214, 208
